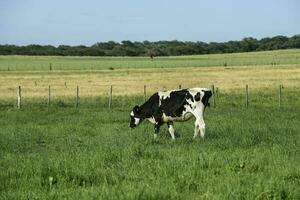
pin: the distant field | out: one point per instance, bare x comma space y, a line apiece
92, 63
131, 81
260, 70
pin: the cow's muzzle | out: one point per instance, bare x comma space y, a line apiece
132, 126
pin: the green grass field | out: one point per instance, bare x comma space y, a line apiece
89, 152
41, 63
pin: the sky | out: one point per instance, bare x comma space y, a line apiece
85, 22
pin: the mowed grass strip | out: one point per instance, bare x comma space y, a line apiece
87, 153
41, 63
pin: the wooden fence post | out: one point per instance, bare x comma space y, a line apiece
247, 96
145, 93
279, 97
214, 99
49, 95
179, 86
77, 96
110, 97
50, 67
19, 99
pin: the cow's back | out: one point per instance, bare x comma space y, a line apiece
172, 103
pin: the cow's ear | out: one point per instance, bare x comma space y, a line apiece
136, 109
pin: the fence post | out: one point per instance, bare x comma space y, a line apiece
110, 97
145, 93
279, 97
179, 86
19, 99
214, 99
77, 96
50, 67
247, 96
49, 95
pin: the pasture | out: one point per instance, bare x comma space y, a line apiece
42, 63
260, 70
90, 153
63, 152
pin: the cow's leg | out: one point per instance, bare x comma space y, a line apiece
199, 123
171, 129
199, 127
158, 122
156, 128
196, 129
202, 128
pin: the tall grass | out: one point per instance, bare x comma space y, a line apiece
89, 152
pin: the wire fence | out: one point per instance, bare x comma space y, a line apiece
109, 96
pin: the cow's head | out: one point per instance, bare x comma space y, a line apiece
135, 117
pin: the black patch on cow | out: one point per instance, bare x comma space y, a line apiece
136, 109
197, 96
174, 105
169, 124
150, 107
205, 98
189, 96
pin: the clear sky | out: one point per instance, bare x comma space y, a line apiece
75, 22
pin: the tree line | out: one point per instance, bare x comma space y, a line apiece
159, 48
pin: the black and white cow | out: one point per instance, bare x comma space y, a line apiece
173, 106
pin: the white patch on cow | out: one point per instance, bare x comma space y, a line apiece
136, 121
171, 131
151, 119
191, 105
196, 130
183, 117
131, 114
199, 123
155, 136
199, 127
166, 118
187, 116
164, 95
